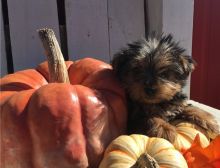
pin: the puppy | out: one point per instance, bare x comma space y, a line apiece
153, 73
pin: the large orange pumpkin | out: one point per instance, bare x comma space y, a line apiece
60, 124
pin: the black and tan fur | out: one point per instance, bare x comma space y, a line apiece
153, 73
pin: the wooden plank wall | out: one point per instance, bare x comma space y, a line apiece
3, 62
25, 18
96, 28
87, 29
126, 22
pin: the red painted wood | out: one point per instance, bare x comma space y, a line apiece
205, 84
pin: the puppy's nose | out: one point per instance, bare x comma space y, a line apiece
150, 91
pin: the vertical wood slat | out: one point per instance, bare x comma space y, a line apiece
126, 22
154, 10
3, 59
178, 20
25, 17
87, 29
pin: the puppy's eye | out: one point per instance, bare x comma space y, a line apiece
164, 75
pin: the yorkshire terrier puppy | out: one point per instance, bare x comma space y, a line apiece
153, 73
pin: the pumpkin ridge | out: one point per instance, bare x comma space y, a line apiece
163, 150
160, 149
185, 136
86, 77
114, 112
88, 146
82, 79
5, 96
16, 86
114, 88
118, 145
135, 140
155, 138
22, 80
88, 66
121, 152
147, 146
111, 91
15, 121
110, 106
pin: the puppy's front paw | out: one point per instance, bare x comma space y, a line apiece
162, 129
205, 121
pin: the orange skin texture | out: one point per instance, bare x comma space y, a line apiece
198, 157
58, 124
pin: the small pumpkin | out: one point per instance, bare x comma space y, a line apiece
186, 133
47, 121
141, 151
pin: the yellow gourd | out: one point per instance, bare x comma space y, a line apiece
186, 133
141, 151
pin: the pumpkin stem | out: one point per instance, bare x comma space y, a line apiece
57, 67
146, 161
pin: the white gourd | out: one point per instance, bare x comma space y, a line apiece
125, 150
186, 133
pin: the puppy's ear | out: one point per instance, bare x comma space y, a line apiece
119, 62
188, 64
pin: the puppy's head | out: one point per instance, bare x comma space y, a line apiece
153, 70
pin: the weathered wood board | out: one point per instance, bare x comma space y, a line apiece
25, 17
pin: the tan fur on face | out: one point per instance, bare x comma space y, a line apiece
165, 92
